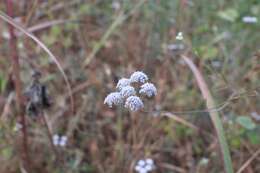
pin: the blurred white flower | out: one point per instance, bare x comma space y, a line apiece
145, 166
138, 76
179, 36
113, 98
149, 161
127, 91
148, 89
123, 83
63, 141
116, 5
249, 19
175, 46
59, 140
134, 103
17, 127
255, 115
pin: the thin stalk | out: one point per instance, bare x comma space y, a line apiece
112, 28
213, 115
49, 133
17, 82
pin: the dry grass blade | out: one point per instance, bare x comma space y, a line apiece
245, 165
213, 115
17, 26
180, 120
117, 22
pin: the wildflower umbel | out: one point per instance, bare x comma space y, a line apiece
122, 83
145, 166
113, 98
148, 89
134, 103
138, 76
127, 93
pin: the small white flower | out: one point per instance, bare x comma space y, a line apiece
249, 19
179, 36
138, 76
127, 91
59, 140
123, 83
141, 163
145, 166
113, 98
55, 139
148, 89
149, 167
63, 141
138, 168
116, 5
18, 127
149, 161
143, 170
255, 115
175, 46
134, 103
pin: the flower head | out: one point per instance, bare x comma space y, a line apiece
127, 91
59, 140
148, 89
179, 36
249, 19
122, 83
134, 103
138, 76
144, 166
113, 98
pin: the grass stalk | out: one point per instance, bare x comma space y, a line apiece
213, 115
112, 28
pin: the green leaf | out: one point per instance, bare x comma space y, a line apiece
229, 14
254, 137
246, 122
208, 52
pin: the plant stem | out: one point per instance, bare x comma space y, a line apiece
17, 82
213, 115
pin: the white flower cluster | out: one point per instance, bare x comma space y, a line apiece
256, 116
145, 166
59, 140
249, 19
179, 36
127, 94
113, 98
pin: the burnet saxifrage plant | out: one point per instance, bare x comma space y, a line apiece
127, 93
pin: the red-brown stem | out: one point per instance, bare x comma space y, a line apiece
17, 81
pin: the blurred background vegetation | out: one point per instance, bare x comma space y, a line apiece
99, 41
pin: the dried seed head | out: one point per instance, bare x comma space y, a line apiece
148, 89
134, 103
138, 76
122, 83
127, 91
113, 98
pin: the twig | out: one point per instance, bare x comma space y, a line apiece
17, 81
245, 165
